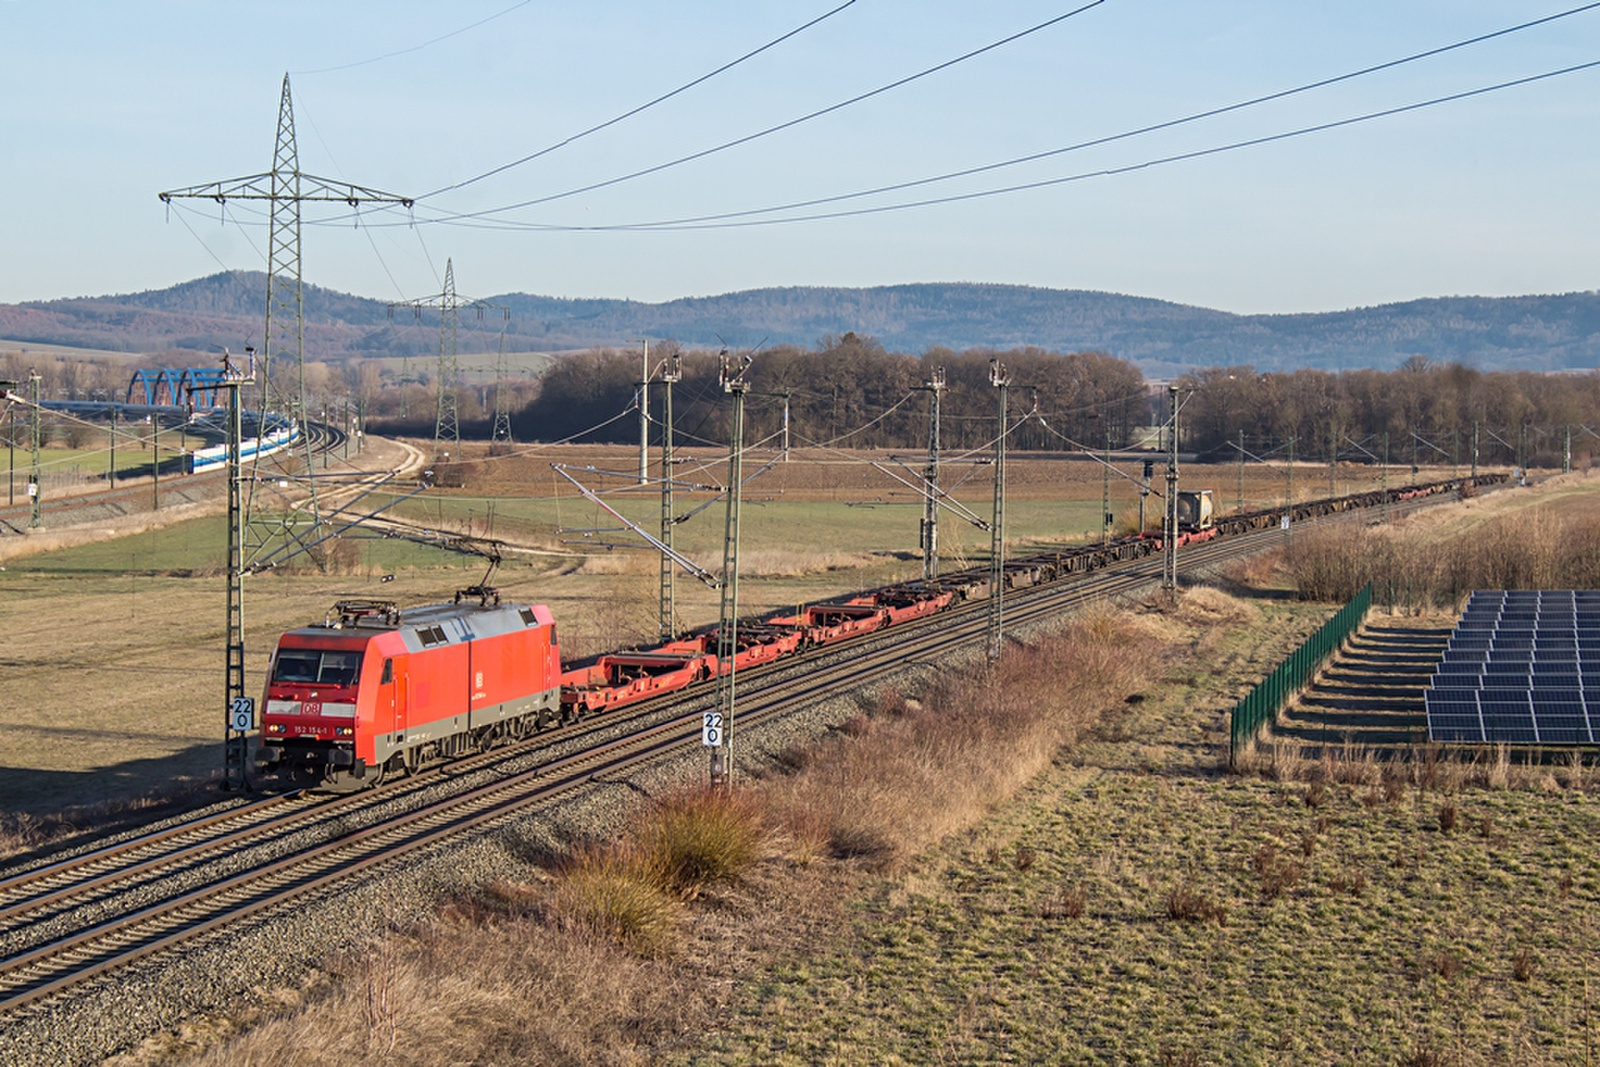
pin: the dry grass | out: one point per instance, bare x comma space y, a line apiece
702, 836
899, 780
797, 563
622, 893
1425, 564
25, 831
1186, 903
1423, 767
473, 990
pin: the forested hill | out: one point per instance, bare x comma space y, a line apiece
1529, 332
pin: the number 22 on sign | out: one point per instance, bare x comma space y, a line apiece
711, 730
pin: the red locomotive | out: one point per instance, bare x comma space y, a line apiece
371, 691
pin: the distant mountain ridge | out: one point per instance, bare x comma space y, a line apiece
1541, 333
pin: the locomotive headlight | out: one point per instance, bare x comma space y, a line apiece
347, 731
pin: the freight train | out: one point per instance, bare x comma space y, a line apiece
373, 691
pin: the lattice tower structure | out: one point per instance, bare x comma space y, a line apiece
447, 420
285, 187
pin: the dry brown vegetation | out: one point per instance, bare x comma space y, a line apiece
921, 769
1553, 546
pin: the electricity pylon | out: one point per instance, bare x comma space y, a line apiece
447, 421
501, 432
285, 188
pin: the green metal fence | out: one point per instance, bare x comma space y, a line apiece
1261, 707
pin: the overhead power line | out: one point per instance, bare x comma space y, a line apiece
685, 87
1140, 131
714, 223
752, 216
788, 124
417, 47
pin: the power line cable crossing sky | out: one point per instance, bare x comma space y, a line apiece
1247, 155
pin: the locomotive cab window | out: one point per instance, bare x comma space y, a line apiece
313, 667
297, 665
388, 672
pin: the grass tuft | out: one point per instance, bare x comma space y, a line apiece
702, 836
1423, 1056
1185, 903
1067, 902
1446, 965
1276, 873
1349, 880
619, 892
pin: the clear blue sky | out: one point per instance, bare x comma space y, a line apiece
106, 104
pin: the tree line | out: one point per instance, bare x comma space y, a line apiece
849, 391
1428, 411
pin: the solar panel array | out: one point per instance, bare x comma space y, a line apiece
1522, 667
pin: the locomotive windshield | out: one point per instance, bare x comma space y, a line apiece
316, 667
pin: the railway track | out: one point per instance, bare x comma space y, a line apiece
136, 494
36, 969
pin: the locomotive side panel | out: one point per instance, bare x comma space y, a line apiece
511, 675
436, 705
